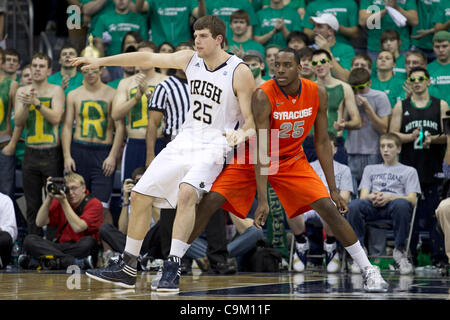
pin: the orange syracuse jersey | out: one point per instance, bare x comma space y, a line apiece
292, 116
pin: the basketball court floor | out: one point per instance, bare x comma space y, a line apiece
310, 285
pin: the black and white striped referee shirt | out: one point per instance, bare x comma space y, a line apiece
171, 97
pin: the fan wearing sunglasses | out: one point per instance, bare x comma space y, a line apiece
326, 29
342, 110
418, 122
410, 129
374, 109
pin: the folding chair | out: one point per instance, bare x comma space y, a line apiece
387, 224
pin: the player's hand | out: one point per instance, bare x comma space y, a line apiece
235, 137
261, 213
339, 201
88, 63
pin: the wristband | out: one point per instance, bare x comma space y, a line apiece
125, 204
38, 107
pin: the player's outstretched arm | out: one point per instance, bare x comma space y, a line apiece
261, 111
176, 60
323, 150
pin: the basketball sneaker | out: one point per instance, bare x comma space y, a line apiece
332, 260
401, 262
117, 272
301, 251
170, 277
373, 281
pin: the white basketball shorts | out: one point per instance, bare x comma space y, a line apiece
183, 160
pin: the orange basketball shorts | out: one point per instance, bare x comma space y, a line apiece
295, 183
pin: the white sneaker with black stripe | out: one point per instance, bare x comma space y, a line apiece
117, 272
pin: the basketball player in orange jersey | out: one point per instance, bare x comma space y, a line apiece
291, 106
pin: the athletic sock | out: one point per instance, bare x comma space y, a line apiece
301, 238
133, 246
178, 248
358, 255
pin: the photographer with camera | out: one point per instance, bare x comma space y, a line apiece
77, 216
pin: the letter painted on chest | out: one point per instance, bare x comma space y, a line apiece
39, 130
94, 119
138, 116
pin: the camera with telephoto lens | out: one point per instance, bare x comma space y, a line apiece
56, 185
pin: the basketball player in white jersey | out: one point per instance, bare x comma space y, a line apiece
221, 86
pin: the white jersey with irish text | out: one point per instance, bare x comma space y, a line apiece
214, 105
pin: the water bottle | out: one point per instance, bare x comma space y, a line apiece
15, 252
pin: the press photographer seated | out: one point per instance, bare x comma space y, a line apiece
77, 216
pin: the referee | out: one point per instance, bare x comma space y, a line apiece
171, 101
